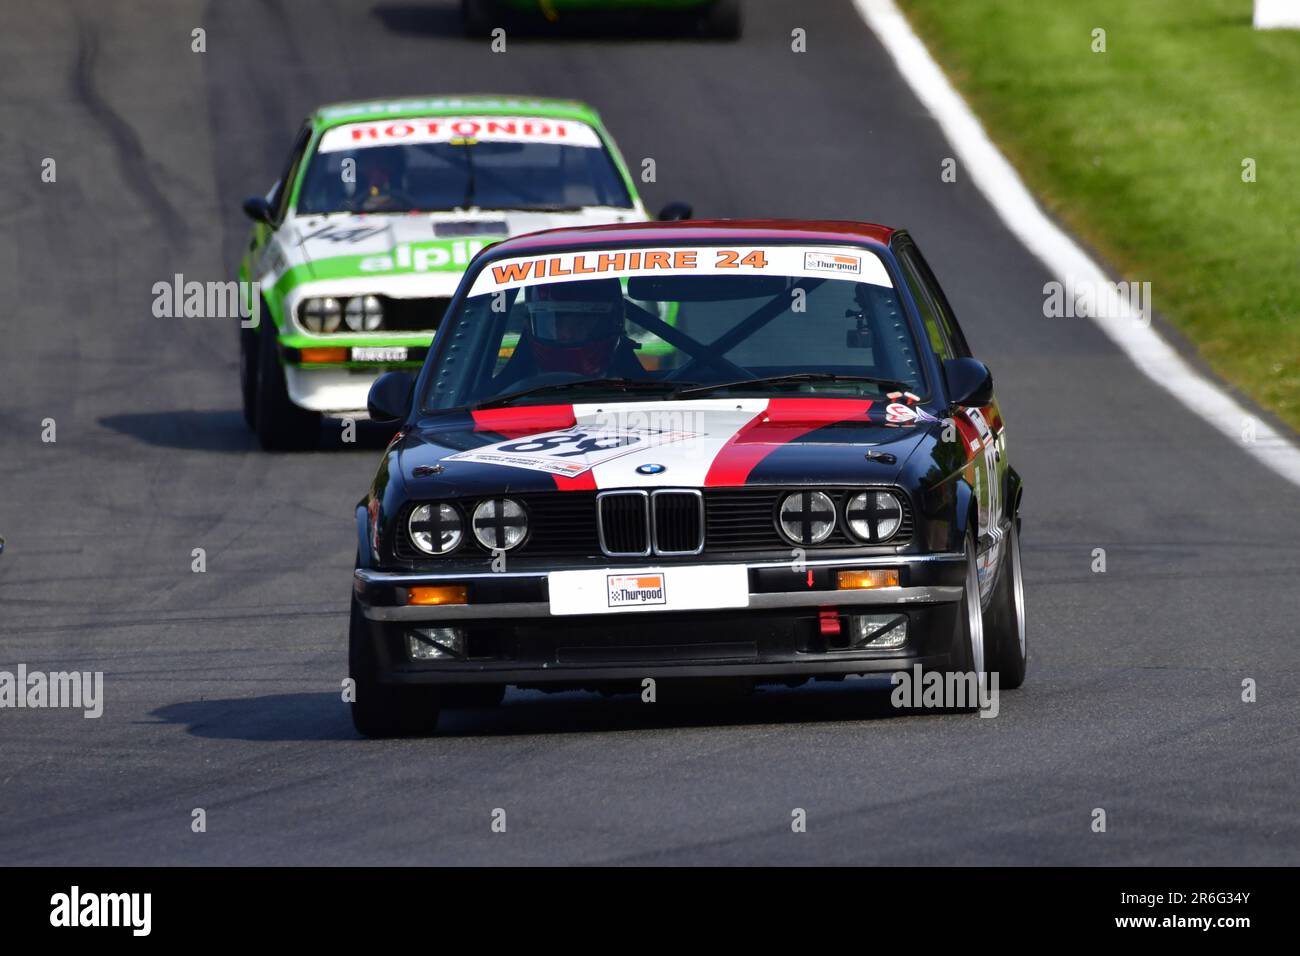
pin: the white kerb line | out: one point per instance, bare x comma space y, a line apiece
1063, 257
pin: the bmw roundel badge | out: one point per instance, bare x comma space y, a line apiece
650, 469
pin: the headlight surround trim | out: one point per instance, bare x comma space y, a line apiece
510, 534
321, 314
873, 515
816, 514
450, 527
363, 313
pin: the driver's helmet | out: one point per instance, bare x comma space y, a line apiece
575, 326
381, 171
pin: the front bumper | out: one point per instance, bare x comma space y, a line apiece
795, 625
331, 390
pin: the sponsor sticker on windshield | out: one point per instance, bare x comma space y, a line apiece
790, 261
461, 129
839, 263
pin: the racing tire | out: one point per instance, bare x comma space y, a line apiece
478, 17
473, 695
970, 640
721, 21
248, 361
1005, 627
280, 424
385, 710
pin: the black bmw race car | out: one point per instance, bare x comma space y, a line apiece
757, 450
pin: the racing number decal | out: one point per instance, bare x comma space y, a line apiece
582, 443
571, 452
730, 259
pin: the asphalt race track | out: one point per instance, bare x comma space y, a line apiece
222, 688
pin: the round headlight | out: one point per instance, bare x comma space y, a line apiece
500, 523
874, 515
321, 315
364, 313
436, 529
807, 517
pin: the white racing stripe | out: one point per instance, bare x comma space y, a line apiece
710, 423
443, 129
1009, 197
847, 262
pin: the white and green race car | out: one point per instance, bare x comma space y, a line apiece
359, 245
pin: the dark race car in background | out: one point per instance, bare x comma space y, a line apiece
759, 450
718, 19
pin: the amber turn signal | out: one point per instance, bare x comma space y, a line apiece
859, 580
312, 356
442, 594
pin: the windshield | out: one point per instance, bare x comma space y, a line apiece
665, 323
446, 163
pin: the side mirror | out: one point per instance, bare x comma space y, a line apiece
258, 209
970, 383
390, 397
675, 212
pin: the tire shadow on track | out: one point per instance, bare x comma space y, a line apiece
322, 716
225, 431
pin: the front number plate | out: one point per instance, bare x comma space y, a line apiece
609, 591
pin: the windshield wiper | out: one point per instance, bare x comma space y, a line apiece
595, 384
535, 207
792, 377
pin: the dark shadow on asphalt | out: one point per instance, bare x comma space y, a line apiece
225, 431
445, 21
273, 718
323, 716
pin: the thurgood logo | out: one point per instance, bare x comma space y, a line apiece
826, 262
75, 908
953, 689
74, 689
628, 590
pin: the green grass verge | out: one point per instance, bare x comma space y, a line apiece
1139, 150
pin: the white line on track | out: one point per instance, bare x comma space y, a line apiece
1064, 258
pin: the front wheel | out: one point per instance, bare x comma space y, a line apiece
969, 642
248, 360
281, 425
384, 710
1008, 654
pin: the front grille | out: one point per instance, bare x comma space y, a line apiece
559, 525
678, 522
623, 518
564, 524
745, 520
413, 315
